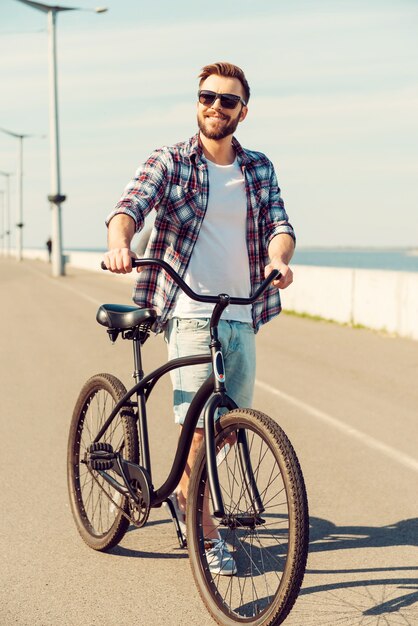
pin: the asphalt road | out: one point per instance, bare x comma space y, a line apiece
347, 399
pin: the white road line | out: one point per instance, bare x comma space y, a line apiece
371, 442
79, 293
64, 285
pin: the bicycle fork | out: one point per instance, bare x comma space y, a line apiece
220, 399
215, 402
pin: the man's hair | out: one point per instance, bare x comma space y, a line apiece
226, 69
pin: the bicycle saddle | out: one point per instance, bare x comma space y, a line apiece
124, 317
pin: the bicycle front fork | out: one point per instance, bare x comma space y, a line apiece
221, 400
218, 400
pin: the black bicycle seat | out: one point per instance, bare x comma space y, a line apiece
124, 317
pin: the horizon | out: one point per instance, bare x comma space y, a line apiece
298, 248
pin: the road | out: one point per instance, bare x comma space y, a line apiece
347, 399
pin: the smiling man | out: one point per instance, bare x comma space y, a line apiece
221, 224
213, 122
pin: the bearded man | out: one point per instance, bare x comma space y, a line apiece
221, 224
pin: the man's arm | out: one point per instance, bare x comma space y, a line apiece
280, 250
121, 229
144, 192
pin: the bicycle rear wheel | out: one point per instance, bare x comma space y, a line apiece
97, 507
267, 536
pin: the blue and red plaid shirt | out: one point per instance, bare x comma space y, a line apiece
174, 182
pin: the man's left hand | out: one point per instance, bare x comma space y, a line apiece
286, 278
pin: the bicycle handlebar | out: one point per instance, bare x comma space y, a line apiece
274, 275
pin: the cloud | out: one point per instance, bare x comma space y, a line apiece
334, 102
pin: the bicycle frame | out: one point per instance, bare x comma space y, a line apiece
142, 389
210, 397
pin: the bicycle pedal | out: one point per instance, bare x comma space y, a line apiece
100, 446
101, 456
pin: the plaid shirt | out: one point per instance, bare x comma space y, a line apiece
174, 182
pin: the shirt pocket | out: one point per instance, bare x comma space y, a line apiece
263, 197
182, 205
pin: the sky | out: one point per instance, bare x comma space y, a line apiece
334, 105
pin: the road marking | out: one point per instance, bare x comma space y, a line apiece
79, 293
396, 455
60, 283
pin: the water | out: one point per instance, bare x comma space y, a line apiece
393, 259
401, 259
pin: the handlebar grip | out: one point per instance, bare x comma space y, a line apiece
104, 267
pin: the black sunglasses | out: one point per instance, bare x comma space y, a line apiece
228, 100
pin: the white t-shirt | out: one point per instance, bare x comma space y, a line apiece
219, 261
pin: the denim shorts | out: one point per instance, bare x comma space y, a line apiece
186, 337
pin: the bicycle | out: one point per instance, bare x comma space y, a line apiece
246, 468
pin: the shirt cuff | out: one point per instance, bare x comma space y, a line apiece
278, 230
123, 211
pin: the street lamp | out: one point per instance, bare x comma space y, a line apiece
3, 222
6, 217
19, 223
56, 198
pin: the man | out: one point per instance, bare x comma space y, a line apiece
49, 248
221, 224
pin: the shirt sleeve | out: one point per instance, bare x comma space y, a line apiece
144, 191
276, 220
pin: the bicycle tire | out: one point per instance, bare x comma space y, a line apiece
99, 521
270, 557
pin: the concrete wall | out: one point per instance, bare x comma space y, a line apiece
377, 299
83, 260
320, 291
374, 298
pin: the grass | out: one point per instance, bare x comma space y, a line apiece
318, 318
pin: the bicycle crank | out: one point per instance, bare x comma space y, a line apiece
136, 481
138, 509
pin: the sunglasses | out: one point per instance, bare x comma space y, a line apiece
227, 100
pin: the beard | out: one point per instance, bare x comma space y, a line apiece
228, 127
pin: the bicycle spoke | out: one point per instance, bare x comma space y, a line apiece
99, 513
258, 541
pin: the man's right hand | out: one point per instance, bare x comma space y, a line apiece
119, 260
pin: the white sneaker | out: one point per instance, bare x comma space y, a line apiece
219, 558
221, 456
116, 501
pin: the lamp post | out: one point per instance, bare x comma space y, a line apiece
56, 198
19, 223
2, 222
6, 216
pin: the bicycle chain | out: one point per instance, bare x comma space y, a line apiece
130, 519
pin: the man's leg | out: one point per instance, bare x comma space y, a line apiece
187, 337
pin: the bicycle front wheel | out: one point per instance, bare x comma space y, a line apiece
265, 527
98, 508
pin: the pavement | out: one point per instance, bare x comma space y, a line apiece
347, 399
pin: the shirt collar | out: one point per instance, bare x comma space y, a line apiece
196, 151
